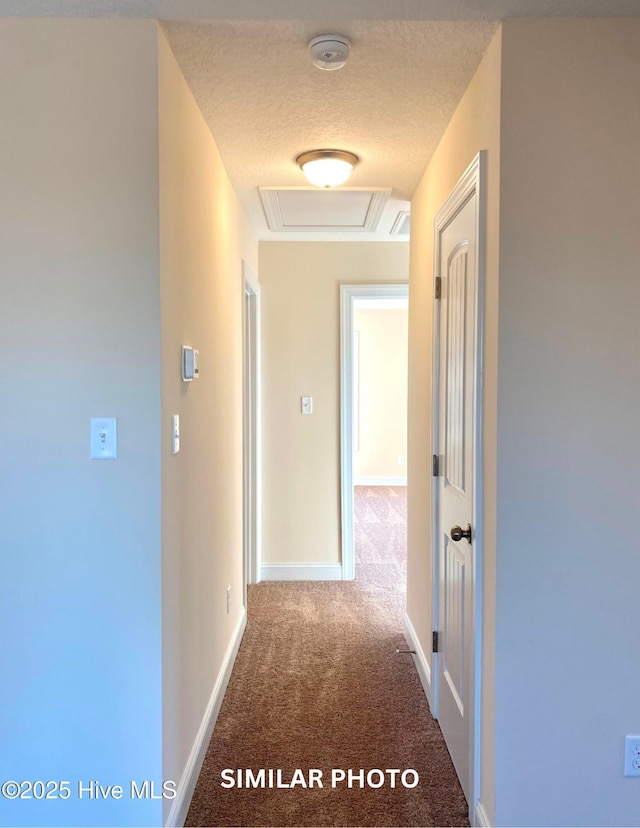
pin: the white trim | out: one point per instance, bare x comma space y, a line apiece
301, 572
348, 294
380, 481
472, 180
252, 291
399, 223
187, 784
481, 818
420, 659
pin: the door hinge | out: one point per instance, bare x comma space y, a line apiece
436, 465
438, 293
434, 644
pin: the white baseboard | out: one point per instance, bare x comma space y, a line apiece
481, 820
301, 572
187, 784
379, 481
420, 660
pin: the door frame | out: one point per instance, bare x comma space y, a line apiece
348, 294
472, 181
251, 430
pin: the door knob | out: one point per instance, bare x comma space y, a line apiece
457, 533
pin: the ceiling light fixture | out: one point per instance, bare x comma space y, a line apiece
327, 167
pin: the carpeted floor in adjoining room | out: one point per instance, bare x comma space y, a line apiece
317, 684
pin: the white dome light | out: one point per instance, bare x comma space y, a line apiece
327, 168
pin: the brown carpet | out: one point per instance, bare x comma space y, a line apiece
317, 684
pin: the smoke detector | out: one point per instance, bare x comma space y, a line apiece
329, 51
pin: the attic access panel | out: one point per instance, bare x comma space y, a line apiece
308, 209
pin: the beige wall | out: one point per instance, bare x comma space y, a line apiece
475, 126
568, 560
300, 356
79, 337
382, 393
560, 441
120, 240
204, 238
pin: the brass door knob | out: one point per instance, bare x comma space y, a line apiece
457, 533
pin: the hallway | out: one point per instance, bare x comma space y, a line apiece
317, 684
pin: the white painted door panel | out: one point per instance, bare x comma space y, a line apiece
457, 367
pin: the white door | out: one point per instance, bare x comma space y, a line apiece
457, 365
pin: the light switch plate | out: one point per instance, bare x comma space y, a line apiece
306, 405
103, 440
175, 433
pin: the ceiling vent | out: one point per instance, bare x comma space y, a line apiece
329, 51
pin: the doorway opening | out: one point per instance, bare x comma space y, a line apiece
380, 355
367, 459
251, 438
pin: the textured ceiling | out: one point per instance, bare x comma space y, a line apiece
247, 64
266, 103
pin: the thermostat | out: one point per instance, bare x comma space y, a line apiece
190, 363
